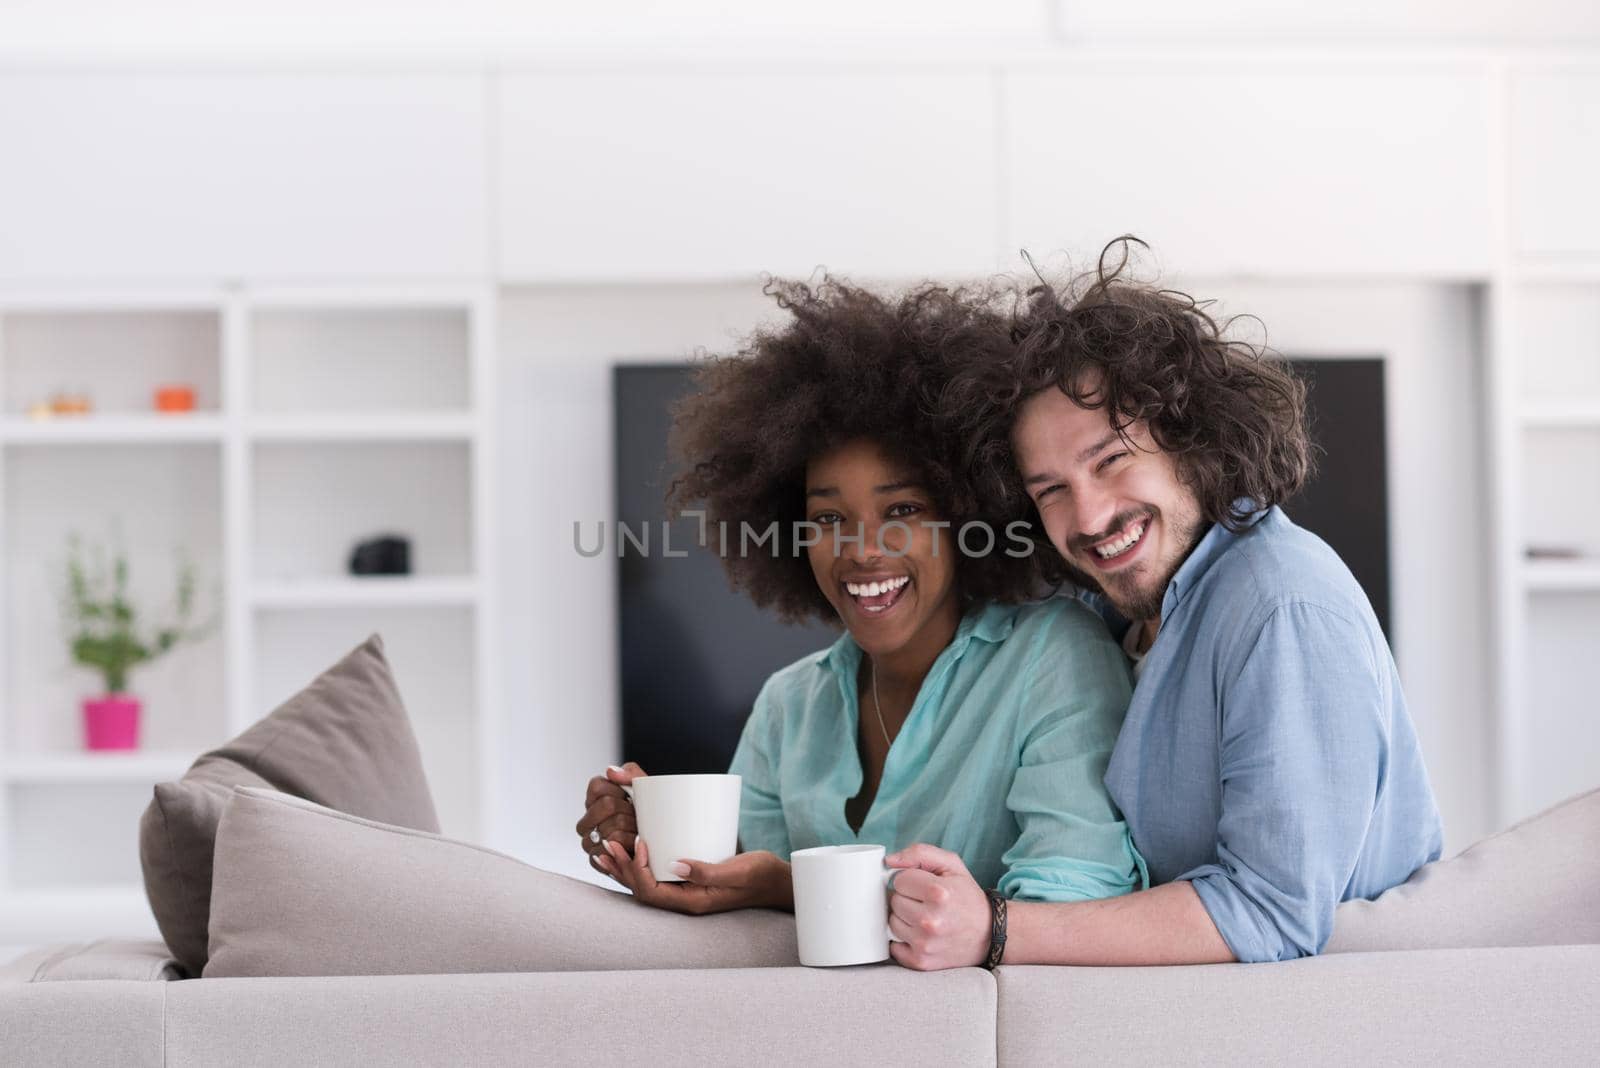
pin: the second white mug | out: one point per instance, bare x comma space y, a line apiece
841, 904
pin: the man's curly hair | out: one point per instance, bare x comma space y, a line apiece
1232, 415
848, 364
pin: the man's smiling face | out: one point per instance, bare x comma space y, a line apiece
1116, 510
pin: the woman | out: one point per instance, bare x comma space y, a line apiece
948, 712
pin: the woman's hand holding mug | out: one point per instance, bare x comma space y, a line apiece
744, 881
692, 815
609, 816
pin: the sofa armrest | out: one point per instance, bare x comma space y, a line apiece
19, 970
108, 958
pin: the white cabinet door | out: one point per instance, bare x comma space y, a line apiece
702, 175
1325, 170
293, 176
1422, 23
1555, 165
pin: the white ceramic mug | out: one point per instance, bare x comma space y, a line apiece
686, 817
841, 904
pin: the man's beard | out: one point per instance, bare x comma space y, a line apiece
1137, 604
1131, 603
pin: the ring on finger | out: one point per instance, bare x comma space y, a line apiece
594, 835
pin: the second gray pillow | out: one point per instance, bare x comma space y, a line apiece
300, 889
1533, 884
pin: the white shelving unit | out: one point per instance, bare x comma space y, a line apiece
1580, 414
1544, 437
377, 427
375, 590
1545, 420
139, 767
1575, 576
114, 430
324, 415
1543, 434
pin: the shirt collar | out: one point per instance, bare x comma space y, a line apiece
1217, 541
988, 623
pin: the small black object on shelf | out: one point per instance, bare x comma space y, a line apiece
388, 554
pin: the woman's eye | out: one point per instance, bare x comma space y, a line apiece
903, 509
828, 519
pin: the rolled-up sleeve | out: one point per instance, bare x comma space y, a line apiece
1073, 844
761, 820
1303, 740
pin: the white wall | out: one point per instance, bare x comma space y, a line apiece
1430, 21
486, 28
557, 346
880, 170
1273, 167
479, 28
159, 176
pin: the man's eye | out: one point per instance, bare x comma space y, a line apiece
1048, 491
1109, 460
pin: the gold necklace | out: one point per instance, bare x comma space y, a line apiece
879, 708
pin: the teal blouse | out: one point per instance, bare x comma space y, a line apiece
1001, 759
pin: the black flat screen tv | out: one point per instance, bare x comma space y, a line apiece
693, 653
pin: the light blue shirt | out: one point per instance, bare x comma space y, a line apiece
1001, 759
1267, 756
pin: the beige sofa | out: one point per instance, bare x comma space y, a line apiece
322, 926
121, 1003
298, 869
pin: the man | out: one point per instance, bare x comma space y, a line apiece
1267, 767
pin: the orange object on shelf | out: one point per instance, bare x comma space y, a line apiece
175, 399
70, 404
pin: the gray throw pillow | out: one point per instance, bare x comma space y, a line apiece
343, 741
300, 889
1533, 884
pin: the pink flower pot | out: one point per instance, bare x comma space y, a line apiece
111, 722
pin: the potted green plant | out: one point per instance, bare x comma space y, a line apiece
106, 634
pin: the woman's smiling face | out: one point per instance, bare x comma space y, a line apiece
889, 575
